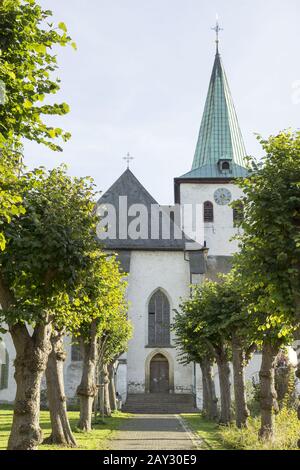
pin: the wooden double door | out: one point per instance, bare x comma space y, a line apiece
159, 374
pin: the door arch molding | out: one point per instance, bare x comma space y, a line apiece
147, 368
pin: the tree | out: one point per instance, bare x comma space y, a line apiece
269, 260
193, 349
236, 325
115, 340
102, 300
47, 247
206, 321
61, 432
27, 63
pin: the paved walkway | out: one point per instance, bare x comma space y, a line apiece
155, 432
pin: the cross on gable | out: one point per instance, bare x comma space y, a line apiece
128, 159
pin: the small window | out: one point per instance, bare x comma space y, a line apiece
208, 211
225, 166
238, 213
76, 355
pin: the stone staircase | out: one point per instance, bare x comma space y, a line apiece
156, 403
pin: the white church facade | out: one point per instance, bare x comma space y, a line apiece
161, 270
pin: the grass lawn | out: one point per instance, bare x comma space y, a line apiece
98, 439
208, 431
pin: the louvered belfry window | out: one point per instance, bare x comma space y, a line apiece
208, 211
159, 320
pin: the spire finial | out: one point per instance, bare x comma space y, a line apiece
128, 159
217, 29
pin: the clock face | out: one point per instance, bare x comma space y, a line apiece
222, 196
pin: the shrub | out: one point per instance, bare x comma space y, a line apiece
287, 434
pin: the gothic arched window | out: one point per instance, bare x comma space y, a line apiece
159, 320
208, 211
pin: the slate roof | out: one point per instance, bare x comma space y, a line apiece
128, 185
220, 136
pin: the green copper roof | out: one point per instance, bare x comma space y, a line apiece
220, 136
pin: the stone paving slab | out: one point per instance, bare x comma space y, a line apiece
155, 432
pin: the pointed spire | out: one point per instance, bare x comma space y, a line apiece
220, 137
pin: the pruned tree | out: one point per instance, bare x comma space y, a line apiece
202, 307
47, 247
193, 349
101, 299
61, 432
230, 304
269, 261
115, 341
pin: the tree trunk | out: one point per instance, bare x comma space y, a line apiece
87, 389
107, 407
224, 380
61, 431
268, 401
112, 387
30, 364
205, 403
210, 401
238, 363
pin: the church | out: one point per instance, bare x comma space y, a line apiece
161, 264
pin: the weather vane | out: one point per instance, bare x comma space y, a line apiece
217, 29
128, 159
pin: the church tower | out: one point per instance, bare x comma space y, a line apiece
219, 159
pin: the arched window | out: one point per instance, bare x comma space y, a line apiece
208, 211
159, 320
4, 366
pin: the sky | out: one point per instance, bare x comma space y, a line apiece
139, 79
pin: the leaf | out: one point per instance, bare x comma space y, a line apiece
27, 104
63, 27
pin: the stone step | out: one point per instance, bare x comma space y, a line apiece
162, 410
160, 403
153, 398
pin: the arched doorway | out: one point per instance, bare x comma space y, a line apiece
159, 374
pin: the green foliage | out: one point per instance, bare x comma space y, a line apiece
47, 246
27, 62
269, 261
215, 313
10, 199
100, 299
287, 434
